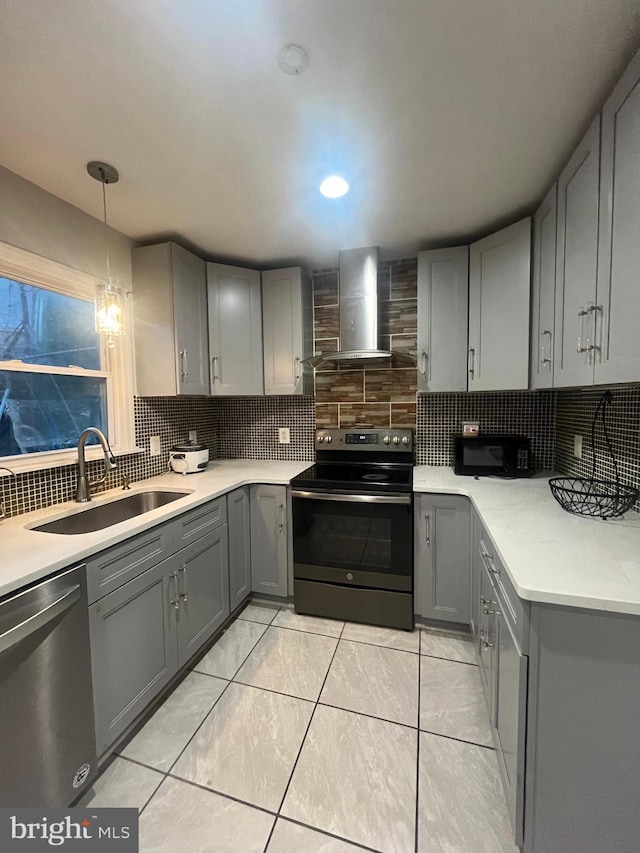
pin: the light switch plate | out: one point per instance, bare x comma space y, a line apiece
577, 446
284, 436
193, 436
154, 445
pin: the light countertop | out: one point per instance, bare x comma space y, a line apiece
550, 555
28, 555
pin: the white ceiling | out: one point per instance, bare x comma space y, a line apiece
448, 117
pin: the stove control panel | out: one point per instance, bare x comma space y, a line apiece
380, 440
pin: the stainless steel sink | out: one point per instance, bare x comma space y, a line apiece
108, 514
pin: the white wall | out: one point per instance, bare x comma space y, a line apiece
40, 222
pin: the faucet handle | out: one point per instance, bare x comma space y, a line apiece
125, 483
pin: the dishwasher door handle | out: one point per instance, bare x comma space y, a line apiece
337, 496
29, 626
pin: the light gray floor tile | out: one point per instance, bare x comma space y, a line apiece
356, 778
289, 619
449, 646
248, 745
122, 785
167, 733
407, 641
263, 613
462, 805
229, 653
292, 838
292, 662
374, 680
181, 817
452, 701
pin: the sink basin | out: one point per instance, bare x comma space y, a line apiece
108, 514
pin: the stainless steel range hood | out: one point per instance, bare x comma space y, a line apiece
358, 301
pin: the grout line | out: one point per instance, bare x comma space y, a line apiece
450, 660
458, 739
369, 716
222, 794
329, 834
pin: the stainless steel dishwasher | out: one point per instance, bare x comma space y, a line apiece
47, 735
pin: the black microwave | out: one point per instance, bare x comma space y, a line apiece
493, 455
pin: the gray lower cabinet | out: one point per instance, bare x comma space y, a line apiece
269, 552
134, 650
239, 514
442, 557
203, 591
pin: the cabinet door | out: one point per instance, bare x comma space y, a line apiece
203, 589
443, 316
190, 318
443, 557
269, 539
235, 330
510, 674
134, 652
499, 296
286, 340
543, 292
576, 263
238, 503
618, 314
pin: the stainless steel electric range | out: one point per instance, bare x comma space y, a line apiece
353, 528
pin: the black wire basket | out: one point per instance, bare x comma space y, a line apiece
594, 498
591, 497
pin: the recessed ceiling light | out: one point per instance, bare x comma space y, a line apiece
334, 186
293, 59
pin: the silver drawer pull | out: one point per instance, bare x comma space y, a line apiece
427, 535
183, 572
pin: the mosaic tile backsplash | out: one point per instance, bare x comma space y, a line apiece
247, 427
574, 413
440, 417
373, 396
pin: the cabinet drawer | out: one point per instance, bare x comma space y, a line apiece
516, 611
110, 569
198, 522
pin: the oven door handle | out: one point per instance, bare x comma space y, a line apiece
370, 499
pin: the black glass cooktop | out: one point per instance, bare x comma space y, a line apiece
373, 477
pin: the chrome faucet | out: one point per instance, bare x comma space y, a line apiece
83, 490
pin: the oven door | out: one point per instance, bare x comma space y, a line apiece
357, 540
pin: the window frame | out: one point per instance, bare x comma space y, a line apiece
116, 363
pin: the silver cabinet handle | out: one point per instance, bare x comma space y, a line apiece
581, 314
183, 572
591, 311
30, 625
487, 645
472, 362
214, 364
427, 534
423, 363
281, 525
545, 359
182, 368
173, 582
296, 367
186, 363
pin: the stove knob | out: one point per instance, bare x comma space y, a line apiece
386, 439
396, 440
329, 439
320, 439
405, 439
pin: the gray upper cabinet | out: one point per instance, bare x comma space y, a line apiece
170, 298
499, 302
543, 292
618, 312
443, 316
442, 557
235, 330
576, 263
269, 552
287, 324
239, 510
202, 578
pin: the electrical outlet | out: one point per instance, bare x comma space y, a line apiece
193, 436
577, 446
154, 445
284, 436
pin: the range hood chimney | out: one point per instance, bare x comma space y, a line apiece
358, 306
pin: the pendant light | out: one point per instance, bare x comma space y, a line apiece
109, 303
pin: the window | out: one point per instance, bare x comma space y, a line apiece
57, 377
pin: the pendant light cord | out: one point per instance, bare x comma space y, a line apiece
106, 233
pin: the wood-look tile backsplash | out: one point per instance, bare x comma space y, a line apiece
372, 396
